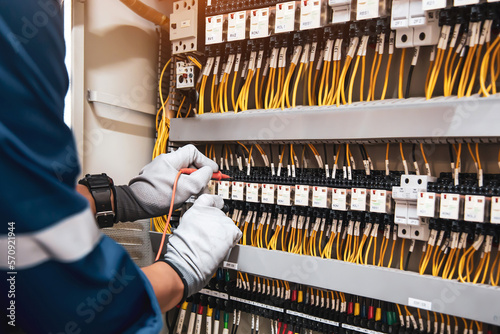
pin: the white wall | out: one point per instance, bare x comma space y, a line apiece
115, 54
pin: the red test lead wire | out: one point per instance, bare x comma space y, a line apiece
216, 176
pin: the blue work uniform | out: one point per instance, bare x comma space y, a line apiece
59, 274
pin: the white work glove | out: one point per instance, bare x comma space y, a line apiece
149, 194
201, 242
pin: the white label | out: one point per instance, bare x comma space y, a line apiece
474, 208
310, 317
433, 4
259, 23
236, 27
223, 190
358, 199
310, 14
253, 192
367, 9
284, 195
302, 195
268, 193
495, 210
238, 191
320, 197
230, 265
400, 13
421, 304
450, 206
214, 29
378, 201
426, 204
212, 187
285, 17
339, 199
341, 14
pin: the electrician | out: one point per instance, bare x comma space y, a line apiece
68, 277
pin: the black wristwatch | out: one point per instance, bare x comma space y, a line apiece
100, 187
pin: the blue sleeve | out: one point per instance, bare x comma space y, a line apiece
68, 276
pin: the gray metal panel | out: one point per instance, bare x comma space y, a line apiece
446, 117
471, 301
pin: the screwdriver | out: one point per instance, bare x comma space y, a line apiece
215, 176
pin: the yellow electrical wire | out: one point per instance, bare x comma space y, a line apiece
270, 89
496, 263
233, 101
256, 89
212, 95
178, 115
461, 265
196, 62
484, 67
474, 72
284, 94
401, 257
340, 87
295, 86
477, 157
386, 80
324, 76
353, 76
447, 69
493, 74
383, 249
309, 87
465, 73
435, 73
362, 79
375, 63
316, 74
401, 74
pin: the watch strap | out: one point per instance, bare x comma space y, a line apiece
100, 187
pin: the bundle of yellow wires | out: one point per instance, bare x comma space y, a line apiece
162, 129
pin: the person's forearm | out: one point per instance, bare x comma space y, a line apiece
84, 191
167, 284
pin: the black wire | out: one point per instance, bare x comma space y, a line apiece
450, 151
408, 82
326, 155
407, 260
413, 149
363, 153
286, 156
344, 156
303, 158
334, 152
271, 153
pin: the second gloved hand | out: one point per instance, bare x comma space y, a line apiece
201, 242
148, 195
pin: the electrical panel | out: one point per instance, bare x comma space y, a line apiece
301, 103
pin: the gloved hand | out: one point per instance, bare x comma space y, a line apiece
149, 194
201, 242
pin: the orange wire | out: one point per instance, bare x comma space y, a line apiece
169, 215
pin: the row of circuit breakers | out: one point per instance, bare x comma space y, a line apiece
416, 22
413, 205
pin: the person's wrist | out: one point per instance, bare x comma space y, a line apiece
100, 192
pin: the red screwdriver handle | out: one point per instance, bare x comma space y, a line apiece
215, 176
